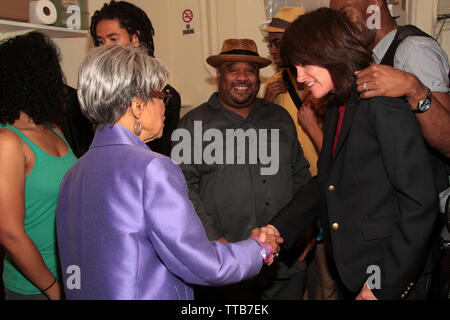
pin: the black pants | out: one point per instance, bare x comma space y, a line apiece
10, 295
264, 286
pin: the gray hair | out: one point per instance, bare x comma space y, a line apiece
111, 77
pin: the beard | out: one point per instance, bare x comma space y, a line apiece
242, 100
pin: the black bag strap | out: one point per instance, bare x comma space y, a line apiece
402, 33
292, 92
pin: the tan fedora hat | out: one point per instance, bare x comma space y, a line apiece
284, 17
238, 50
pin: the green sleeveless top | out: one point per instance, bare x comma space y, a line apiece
41, 197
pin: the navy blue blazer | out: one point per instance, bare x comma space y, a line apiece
376, 196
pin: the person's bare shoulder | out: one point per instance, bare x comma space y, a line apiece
10, 144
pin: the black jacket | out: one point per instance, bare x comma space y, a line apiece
376, 196
77, 129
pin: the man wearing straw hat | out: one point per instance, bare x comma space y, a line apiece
230, 188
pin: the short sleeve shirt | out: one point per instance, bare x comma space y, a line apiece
421, 56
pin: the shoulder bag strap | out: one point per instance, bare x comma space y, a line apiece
292, 92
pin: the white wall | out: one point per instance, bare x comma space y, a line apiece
74, 49
213, 22
424, 13
444, 39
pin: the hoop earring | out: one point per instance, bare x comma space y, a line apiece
138, 127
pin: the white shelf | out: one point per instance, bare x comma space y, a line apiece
8, 26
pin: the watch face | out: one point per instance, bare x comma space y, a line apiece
424, 105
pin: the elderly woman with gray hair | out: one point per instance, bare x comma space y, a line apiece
126, 228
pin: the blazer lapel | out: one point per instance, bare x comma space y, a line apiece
349, 115
329, 130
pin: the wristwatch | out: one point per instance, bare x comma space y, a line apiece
424, 104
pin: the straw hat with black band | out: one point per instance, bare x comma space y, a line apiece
238, 50
284, 17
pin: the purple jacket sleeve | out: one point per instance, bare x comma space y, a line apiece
179, 238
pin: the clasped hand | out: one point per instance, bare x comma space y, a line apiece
269, 235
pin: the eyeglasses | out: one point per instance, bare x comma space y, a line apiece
163, 95
274, 44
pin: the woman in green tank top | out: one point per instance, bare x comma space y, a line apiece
34, 156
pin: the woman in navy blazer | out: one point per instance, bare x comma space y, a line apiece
375, 189
126, 228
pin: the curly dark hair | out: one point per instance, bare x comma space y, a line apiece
31, 80
130, 17
325, 38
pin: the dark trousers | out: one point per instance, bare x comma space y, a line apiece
10, 295
263, 287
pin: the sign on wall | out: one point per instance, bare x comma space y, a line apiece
188, 20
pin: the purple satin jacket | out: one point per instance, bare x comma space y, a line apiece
127, 230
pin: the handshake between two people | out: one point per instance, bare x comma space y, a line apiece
268, 237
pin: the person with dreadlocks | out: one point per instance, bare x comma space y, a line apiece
122, 23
